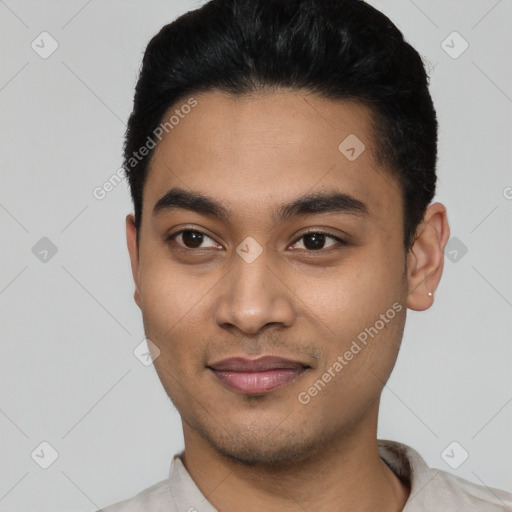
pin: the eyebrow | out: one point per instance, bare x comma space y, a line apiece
307, 204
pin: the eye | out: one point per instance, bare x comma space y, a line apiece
191, 239
315, 241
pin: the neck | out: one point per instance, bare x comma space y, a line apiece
345, 474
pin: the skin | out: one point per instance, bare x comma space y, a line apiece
199, 305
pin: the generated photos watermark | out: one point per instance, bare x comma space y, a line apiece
356, 347
158, 133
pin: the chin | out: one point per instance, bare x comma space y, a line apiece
256, 446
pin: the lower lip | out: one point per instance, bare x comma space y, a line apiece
258, 382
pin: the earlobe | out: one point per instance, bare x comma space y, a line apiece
425, 260
133, 250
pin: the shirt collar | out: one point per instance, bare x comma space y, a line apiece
406, 463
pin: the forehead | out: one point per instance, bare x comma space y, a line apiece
258, 149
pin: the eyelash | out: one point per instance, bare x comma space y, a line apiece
171, 238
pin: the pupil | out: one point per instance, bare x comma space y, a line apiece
318, 241
193, 238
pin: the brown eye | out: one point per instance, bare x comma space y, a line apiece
190, 239
316, 240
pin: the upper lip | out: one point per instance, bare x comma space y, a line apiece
264, 363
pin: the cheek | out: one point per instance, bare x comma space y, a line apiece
351, 296
172, 302
362, 311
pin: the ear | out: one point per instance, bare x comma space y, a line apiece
133, 250
425, 260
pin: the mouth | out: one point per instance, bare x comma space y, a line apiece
256, 376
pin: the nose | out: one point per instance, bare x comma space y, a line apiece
252, 296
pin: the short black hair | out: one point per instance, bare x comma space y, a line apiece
338, 49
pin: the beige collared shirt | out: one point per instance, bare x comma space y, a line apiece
432, 490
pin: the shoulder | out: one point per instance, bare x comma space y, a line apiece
178, 493
157, 498
451, 489
435, 489
447, 490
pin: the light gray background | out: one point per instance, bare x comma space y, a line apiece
69, 325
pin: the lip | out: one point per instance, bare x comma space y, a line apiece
256, 376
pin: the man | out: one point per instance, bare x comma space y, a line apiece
281, 156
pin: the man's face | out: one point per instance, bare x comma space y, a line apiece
253, 282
